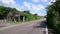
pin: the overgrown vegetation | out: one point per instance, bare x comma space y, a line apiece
53, 16
29, 17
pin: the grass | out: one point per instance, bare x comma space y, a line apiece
19, 22
14, 22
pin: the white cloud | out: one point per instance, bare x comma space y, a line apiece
35, 1
36, 8
51, 1
32, 7
7, 2
48, 0
10, 3
26, 4
41, 7
44, 0
40, 1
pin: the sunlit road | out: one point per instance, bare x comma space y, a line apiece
34, 27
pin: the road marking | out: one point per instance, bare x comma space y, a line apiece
46, 30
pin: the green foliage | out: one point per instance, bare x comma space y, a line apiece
53, 16
5, 10
30, 17
15, 10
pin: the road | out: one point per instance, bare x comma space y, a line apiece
34, 27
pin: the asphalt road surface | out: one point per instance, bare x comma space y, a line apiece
34, 27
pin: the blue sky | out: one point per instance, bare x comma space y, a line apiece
35, 6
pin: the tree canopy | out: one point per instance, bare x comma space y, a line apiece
5, 10
53, 15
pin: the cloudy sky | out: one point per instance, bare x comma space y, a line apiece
35, 6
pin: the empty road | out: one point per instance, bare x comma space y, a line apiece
34, 27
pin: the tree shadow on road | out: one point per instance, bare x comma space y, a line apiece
44, 32
40, 25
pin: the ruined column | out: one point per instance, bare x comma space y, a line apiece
19, 18
23, 18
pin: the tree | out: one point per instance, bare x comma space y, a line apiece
4, 11
27, 11
53, 16
15, 10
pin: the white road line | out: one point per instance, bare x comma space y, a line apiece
46, 30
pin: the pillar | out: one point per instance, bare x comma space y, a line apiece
23, 18
19, 18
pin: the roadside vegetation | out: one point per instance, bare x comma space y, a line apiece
29, 17
53, 16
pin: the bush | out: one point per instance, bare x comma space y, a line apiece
53, 16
